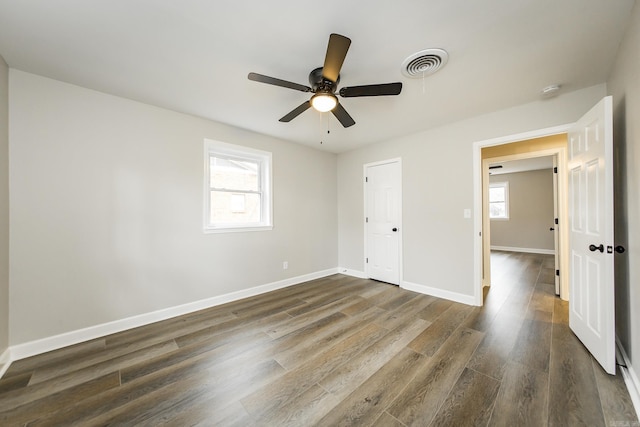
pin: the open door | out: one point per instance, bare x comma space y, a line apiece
554, 227
590, 170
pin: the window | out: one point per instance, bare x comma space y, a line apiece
499, 200
237, 188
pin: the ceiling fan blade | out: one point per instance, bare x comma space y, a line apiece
336, 52
343, 117
371, 90
296, 112
278, 82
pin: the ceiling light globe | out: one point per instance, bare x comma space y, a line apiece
324, 102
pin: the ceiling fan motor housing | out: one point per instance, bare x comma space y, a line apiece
321, 84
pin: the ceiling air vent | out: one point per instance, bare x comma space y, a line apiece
425, 62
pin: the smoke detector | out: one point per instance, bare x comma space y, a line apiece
425, 62
550, 91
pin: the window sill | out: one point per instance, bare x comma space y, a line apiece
214, 230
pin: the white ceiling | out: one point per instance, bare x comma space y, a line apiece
193, 56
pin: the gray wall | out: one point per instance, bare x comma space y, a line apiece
107, 211
624, 86
530, 211
437, 185
4, 206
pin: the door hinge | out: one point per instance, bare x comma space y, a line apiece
555, 169
366, 179
367, 259
557, 272
556, 221
366, 219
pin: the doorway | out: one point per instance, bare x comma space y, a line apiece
523, 206
586, 180
544, 142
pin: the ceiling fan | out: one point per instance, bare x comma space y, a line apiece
324, 83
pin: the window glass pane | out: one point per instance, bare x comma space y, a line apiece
225, 208
232, 174
496, 194
497, 210
237, 203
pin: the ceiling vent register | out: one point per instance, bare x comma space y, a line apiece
425, 62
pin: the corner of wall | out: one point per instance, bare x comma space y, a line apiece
624, 86
4, 214
5, 361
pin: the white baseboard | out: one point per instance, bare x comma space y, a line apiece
43, 345
630, 377
526, 250
354, 273
440, 293
5, 361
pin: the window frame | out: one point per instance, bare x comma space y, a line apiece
504, 185
213, 148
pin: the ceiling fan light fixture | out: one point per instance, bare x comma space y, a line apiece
324, 101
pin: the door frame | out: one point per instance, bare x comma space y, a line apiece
365, 167
480, 170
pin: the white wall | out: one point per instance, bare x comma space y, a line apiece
530, 211
624, 86
106, 211
4, 207
437, 187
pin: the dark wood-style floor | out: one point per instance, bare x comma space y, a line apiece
335, 351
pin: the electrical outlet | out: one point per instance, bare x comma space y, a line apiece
285, 265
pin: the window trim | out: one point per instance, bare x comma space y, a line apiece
505, 185
264, 158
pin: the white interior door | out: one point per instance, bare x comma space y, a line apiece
382, 222
554, 227
591, 293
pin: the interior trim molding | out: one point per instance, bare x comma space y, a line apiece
5, 361
55, 342
629, 376
439, 293
526, 250
355, 273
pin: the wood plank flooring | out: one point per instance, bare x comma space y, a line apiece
336, 351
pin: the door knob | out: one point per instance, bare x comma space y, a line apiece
551, 229
594, 248
394, 229
620, 249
